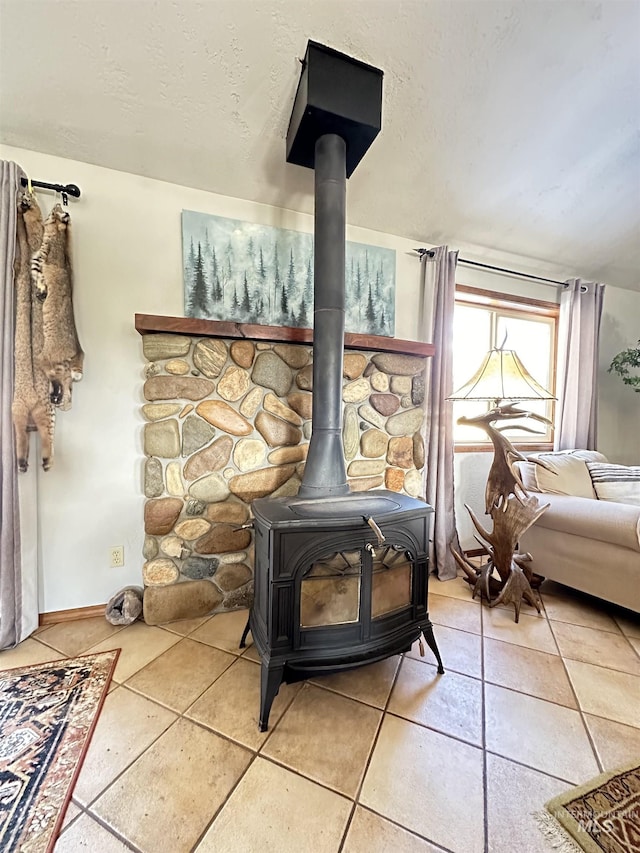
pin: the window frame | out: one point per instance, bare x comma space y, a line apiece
477, 297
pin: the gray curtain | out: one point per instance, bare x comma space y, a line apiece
578, 348
18, 617
439, 281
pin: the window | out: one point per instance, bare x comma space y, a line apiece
482, 320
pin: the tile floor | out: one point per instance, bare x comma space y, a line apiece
391, 758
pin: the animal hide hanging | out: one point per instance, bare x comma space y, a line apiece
61, 357
31, 405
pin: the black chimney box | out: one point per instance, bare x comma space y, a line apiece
336, 94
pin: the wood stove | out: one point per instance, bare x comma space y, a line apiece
339, 582
340, 578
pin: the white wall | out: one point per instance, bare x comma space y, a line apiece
619, 405
127, 257
127, 254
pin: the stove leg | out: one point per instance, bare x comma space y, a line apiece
270, 681
431, 642
247, 627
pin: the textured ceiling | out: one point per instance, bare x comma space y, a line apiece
513, 126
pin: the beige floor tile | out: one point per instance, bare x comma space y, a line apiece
140, 644
529, 730
173, 790
224, 630
454, 588
71, 813
429, 783
514, 794
616, 744
579, 610
178, 676
185, 626
629, 623
26, 653
275, 811
87, 834
326, 737
606, 693
454, 613
371, 684
460, 651
450, 703
635, 643
127, 725
527, 670
73, 638
251, 653
598, 647
370, 833
532, 632
231, 706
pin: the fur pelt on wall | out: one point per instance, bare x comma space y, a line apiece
48, 355
61, 357
31, 407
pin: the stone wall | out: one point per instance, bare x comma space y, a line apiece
228, 421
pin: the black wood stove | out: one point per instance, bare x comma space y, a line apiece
339, 582
340, 578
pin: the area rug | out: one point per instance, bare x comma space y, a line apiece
47, 715
602, 816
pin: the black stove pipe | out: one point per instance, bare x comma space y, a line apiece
325, 474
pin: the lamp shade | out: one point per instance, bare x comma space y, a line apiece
502, 376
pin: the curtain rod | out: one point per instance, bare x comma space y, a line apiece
65, 189
430, 253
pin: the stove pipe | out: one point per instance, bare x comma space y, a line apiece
325, 473
336, 116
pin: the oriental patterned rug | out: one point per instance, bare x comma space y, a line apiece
47, 715
602, 816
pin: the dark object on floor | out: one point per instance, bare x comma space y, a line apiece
125, 606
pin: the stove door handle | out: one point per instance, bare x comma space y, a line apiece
376, 529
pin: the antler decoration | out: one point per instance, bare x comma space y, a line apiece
513, 510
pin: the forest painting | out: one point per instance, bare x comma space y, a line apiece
260, 274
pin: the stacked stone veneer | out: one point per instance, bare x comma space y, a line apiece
228, 421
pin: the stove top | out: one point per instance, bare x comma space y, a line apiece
378, 504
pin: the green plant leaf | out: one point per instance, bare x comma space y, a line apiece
621, 364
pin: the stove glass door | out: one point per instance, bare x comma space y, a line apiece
391, 580
330, 590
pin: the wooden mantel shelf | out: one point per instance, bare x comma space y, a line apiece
147, 324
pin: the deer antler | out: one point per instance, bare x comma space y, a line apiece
512, 509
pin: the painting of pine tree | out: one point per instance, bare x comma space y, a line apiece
251, 273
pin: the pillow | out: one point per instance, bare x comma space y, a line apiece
619, 483
571, 476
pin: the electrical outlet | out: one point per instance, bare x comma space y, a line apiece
116, 556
